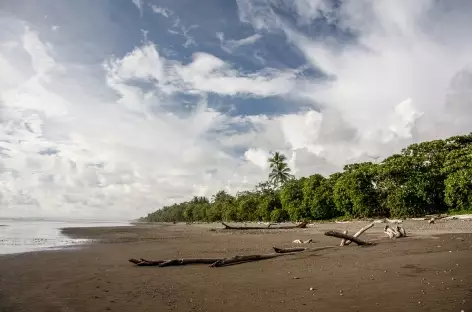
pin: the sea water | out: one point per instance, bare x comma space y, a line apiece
25, 235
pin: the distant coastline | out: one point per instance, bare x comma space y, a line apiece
51, 219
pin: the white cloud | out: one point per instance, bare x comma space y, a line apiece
113, 148
258, 157
40, 52
162, 11
230, 45
121, 155
139, 5
399, 70
178, 27
206, 73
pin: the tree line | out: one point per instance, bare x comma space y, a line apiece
424, 178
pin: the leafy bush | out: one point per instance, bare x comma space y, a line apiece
291, 196
322, 202
459, 190
355, 192
278, 215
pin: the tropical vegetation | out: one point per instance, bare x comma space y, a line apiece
424, 178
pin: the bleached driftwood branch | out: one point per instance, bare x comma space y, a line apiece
347, 237
396, 221
343, 241
360, 232
397, 232
300, 241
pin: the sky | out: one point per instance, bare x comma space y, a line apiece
115, 108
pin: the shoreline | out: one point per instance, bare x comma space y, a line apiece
130, 233
427, 270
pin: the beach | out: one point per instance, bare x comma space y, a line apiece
429, 270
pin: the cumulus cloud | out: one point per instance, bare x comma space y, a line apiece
258, 157
113, 139
205, 73
390, 84
123, 154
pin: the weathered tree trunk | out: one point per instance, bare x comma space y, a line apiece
347, 237
269, 227
173, 262
243, 259
359, 233
176, 262
214, 262
144, 262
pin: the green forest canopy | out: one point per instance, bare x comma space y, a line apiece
424, 178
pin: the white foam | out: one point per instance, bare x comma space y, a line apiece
18, 236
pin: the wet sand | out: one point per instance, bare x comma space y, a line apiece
427, 271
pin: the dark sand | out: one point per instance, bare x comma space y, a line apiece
423, 272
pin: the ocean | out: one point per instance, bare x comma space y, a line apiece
26, 235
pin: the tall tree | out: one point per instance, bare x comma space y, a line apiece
280, 171
276, 159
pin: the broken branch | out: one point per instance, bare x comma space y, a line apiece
243, 259
173, 262
359, 233
347, 237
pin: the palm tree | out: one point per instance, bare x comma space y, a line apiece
280, 171
277, 158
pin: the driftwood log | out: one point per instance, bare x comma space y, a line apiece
269, 227
436, 216
214, 262
173, 262
243, 259
396, 221
347, 237
299, 249
144, 262
300, 241
360, 232
221, 262
397, 232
